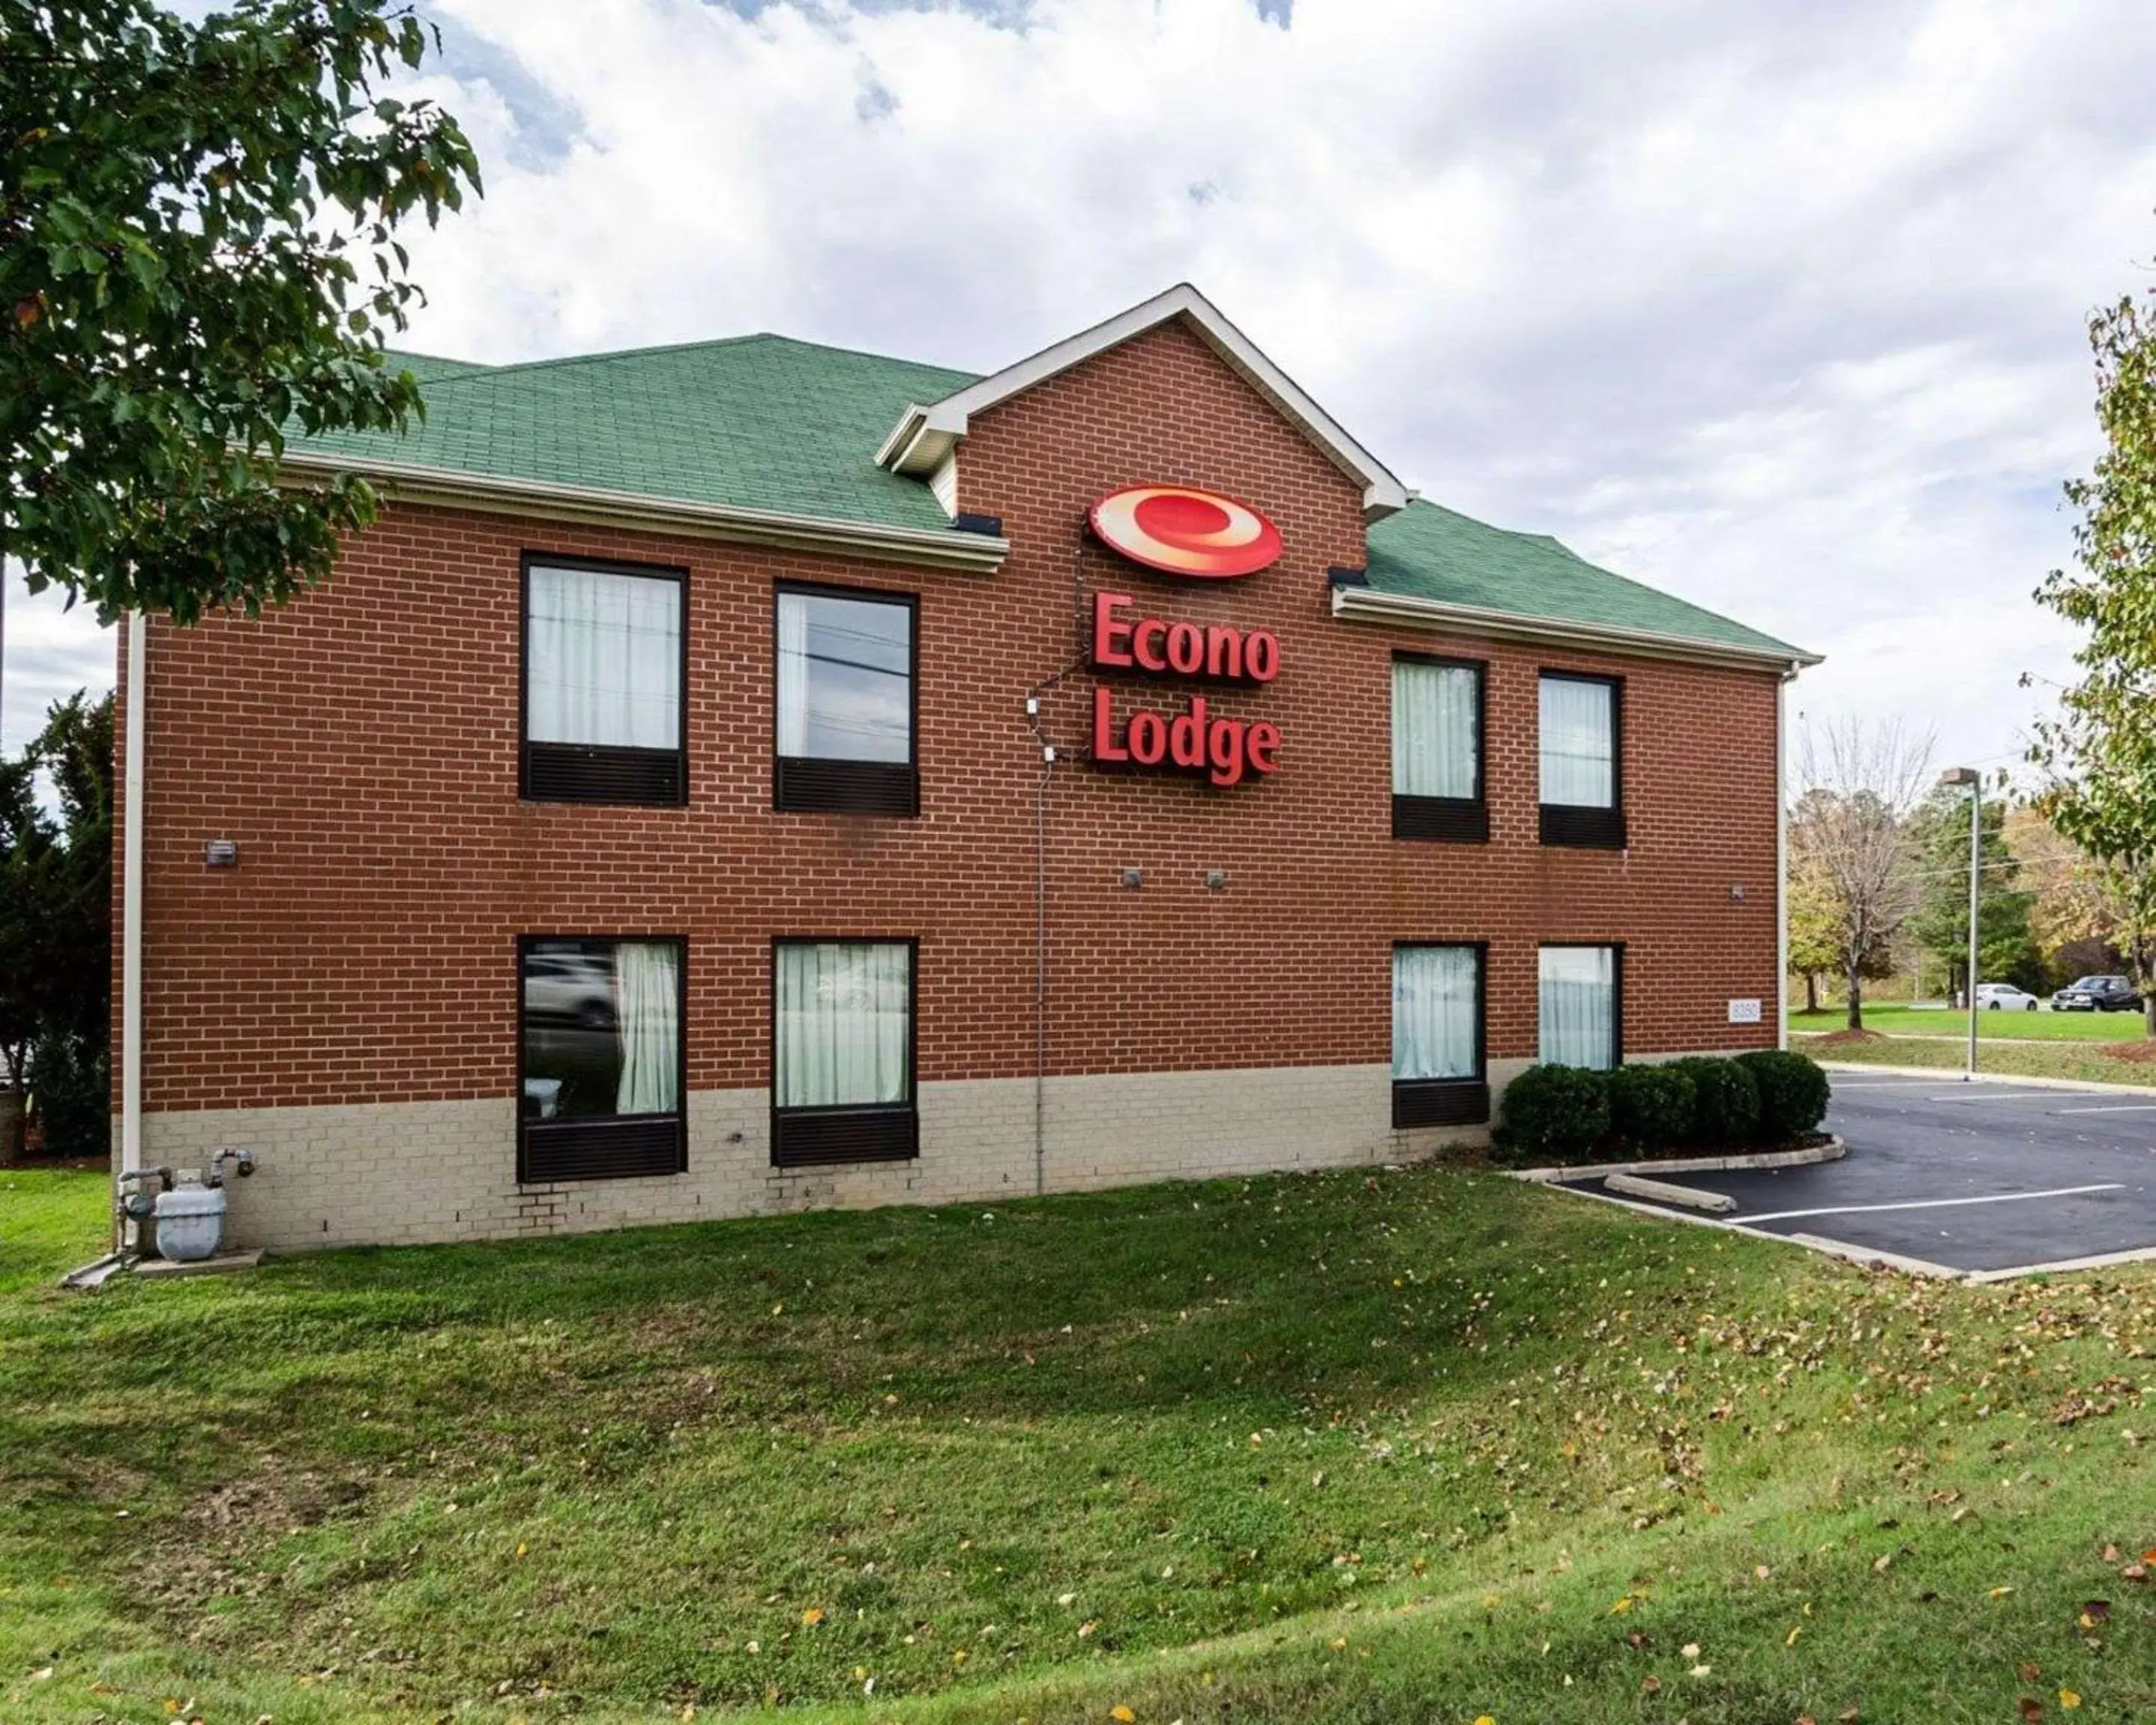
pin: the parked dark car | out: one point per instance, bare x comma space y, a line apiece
2098, 993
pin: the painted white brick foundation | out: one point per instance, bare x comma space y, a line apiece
402, 1172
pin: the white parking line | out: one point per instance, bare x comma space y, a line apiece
1932, 1204
1993, 1095
2112, 1108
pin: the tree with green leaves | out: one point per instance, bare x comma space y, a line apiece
31, 866
56, 929
70, 1063
2100, 749
198, 255
2006, 950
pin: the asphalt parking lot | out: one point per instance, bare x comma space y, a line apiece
1992, 1178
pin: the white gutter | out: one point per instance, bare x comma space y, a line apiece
131, 914
922, 547
1781, 865
1368, 605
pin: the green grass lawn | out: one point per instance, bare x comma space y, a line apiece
1991, 1026
2081, 1061
1426, 1445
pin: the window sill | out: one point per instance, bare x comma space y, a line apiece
636, 1148
804, 785
1439, 1101
1584, 829
1457, 820
819, 1137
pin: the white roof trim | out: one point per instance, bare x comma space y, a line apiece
924, 434
1366, 604
921, 547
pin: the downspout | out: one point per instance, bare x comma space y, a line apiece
130, 913
1782, 862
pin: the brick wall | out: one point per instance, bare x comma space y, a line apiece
361, 745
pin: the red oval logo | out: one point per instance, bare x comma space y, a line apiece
1180, 531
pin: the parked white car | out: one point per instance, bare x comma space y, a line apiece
2004, 997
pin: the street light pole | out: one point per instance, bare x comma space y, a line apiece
1968, 775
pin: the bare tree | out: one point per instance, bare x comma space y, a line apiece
1850, 823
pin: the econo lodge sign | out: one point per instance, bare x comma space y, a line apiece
1204, 536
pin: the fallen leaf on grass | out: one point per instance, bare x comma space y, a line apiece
1879, 1565
2069, 1699
2031, 1709
41, 1676
1086, 1629
1649, 1685
813, 1617
1790, 1640
1690, 1649
1484, 1719
2093, 1612
1623, 1605
2029, 1672
2000, 1592
1121, 1713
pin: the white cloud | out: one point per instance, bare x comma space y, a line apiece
1779, 306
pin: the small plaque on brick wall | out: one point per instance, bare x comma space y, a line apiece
1743, 1012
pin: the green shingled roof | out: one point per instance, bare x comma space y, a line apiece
763, 422
1426, 551
759, 421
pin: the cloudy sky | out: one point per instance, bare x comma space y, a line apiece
1779, 305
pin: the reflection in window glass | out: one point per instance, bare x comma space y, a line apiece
602, 1028
1433, 993
603, 659
844, 1023
1580, 1006
846, 679
1436, 715
1578, 743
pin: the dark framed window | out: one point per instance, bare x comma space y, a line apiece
1580, 742
845, 701
1581, 1005
1440, 1073
605, 661
842, 1040
601, 1066
1438, 710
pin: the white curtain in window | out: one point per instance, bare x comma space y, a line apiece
1580, 1006
648, 996
843, 1017
792, 674
604, 660
1433, 1012
1433, 730
1578, 743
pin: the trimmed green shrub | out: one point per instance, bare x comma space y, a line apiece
1794, 1092
1552, 1114
1651, 1106
1725, 1101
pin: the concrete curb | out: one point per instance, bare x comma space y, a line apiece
1832, 1151
1714, 1203
1945, 1075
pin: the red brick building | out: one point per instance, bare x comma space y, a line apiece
698, 795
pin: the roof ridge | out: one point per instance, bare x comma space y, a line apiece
562, 360
447, 359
